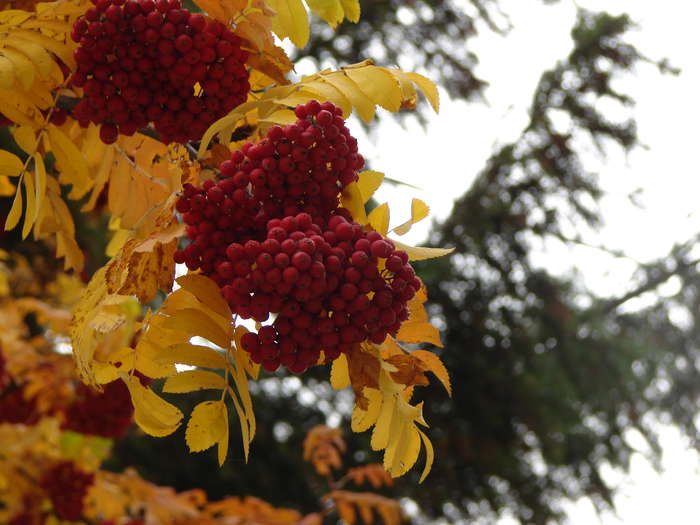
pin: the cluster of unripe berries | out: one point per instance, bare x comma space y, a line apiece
139, 60
66, 486
271, 234
108, 413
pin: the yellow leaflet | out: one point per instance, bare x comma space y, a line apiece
23, 67
418, 329
428, 88
206, 291
328, 91
101, 177
351, 199
368, 183
19, 109
419, 211
290, 21
340, 377
145, 359
207, 425
7, 73
244, 423
364, 419
352, 9
190, 354
378, 84
223, 438
15, 211
403, 453
192, 380
36, 54
10, 165
25, 137
30, 213
436, 366
63, 51
242, 358
7, 189
420, 253
361, 102
329, 10
242, 365
153, 414
195, 322
70, 161
429, 455
182, 299
379, 218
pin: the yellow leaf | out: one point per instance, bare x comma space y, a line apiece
290, 21
23, 67
420, 253
364, 419
37, 54
192, 380
417, 328
153, 414
340, 377
40, 171
329, 10
428, 88
7, 73
379, 218
196, 322
436, 366
144, 358
10, 165
7, 189
399, 458
15, 211
352, 9
327, 91
351, 200
361, 102
378, 84
192, 355
419, 211
368, 183
207, 425
223, 439
206, 291
30, 213
71, 163
429, 455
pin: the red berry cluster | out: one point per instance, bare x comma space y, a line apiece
66, 486
271, 234
15, 408
301, 167
326, 287
139, 60
108, 413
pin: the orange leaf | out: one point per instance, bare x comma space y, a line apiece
323, 447
364, 372
433, 364
410, 370
374, 473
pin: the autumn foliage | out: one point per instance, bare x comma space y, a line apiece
186, 132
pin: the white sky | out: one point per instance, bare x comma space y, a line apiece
444, 160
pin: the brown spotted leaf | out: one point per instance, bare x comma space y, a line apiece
409, 370
363, 368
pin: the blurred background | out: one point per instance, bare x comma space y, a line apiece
562, 169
